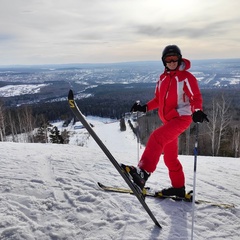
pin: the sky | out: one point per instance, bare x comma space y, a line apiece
106, 31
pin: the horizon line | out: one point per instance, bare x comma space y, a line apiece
106, 63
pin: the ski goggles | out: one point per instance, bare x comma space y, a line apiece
169, 59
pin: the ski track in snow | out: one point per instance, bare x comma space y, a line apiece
49, 191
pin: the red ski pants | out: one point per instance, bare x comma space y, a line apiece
165, 140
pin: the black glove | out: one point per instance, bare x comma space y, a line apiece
199, 116
138, 108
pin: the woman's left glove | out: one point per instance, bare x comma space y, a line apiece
199, 116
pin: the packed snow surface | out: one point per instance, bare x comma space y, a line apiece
49, 191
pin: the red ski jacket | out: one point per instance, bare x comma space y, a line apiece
177, 93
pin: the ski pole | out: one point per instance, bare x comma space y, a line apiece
138, 139
138, 134
194, 176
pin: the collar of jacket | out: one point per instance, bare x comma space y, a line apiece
171, 73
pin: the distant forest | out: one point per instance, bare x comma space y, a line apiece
113, 101
221, 137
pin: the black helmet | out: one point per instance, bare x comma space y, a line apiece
171, 50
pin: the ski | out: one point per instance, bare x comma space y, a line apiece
135, 190
150, 193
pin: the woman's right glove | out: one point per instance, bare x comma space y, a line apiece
199, 116
138, 108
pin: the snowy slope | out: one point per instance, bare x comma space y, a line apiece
49, 192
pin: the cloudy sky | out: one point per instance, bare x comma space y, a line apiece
101, 31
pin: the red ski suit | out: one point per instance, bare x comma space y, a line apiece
177, 96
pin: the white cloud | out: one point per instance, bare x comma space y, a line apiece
59, 31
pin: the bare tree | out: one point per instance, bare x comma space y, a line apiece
25, 123
219, 121
236, 141
28, 123
12, 126
20, 122
213, 125
2, 123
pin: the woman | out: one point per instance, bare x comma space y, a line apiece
179, 101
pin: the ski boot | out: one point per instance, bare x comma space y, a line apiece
172, 192
138, 175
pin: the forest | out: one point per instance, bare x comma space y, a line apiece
219, 137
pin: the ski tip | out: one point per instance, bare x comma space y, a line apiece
70, 94
100, 184
158, 225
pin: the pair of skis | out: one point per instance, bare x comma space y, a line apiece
133, 188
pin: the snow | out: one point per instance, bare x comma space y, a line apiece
17, 90
49, 191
